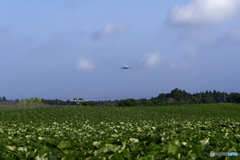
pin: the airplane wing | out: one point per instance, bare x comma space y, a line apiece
125, 67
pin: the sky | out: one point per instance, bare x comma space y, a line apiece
69, 49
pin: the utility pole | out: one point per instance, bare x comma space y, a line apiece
105, 100
200, 93
97, 102
224, 97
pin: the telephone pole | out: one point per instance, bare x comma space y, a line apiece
200, 93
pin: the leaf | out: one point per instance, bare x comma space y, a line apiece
196, 150
105, 148
1, 147
23, 149
117, 156
176, 142
174, 149
232, 150
192, 156
237, 136
134, 140
63, 144
126, 154
42, 157
162, 155
205, 142
68, 157
12, 148
96, 143
146, 158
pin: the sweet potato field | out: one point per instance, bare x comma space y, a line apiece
118, 133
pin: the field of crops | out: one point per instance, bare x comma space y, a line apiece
118, 133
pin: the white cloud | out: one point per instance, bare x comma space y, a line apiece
84, 64
204, 11
111, 29
151, 59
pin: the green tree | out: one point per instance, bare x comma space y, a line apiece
25, 101
31, 100
17, 101
170, 100
205, 100
89, 103
4, 98
196, 100
128, 102
236, 98
37, 100
175, 93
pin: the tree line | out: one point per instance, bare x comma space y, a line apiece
175, 97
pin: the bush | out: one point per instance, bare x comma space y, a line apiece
128, 102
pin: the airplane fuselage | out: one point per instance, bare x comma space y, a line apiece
126, 67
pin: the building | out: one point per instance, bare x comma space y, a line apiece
78, 101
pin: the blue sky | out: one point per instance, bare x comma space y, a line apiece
65, 48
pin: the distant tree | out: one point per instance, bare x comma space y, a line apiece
75, 99
68, 102
218, 97
37, 100
205, 100
236, 98
89, 103
128, 102
17, 101
25, 101
4, 98
161, 96
80, 99
196, 100
175, 93
142, 101
31, 100
170, 100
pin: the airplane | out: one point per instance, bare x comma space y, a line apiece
126, 67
